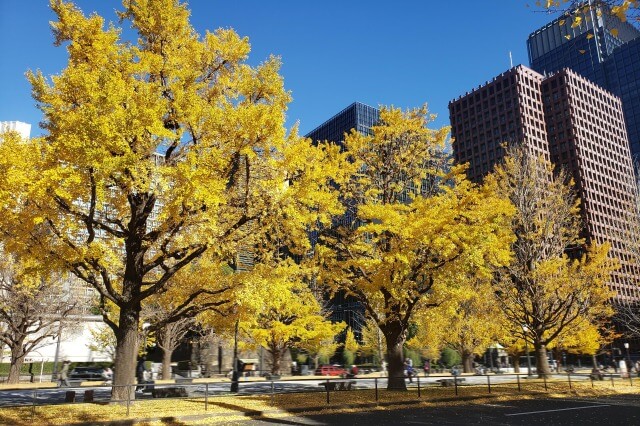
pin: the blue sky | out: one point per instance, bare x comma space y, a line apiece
403, 53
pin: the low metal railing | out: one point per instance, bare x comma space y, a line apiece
418, 386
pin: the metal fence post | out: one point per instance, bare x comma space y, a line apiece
591, 377
418, 378
128, 388
376, 382
569, 377
544, 376
489, 382
272, 393
206, 396
518, 378
630, 379
327, 386
455, 384
612, 385
35, 399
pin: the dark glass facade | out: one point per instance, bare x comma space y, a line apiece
623, 71
360, 117
603, 49
356, 116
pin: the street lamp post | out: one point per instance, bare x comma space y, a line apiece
526, 349
626, 346
56, 356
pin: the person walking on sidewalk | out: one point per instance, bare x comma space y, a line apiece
64, 374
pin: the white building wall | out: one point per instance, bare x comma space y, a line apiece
74, 343
24, 129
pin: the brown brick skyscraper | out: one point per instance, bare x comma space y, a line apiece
575, 124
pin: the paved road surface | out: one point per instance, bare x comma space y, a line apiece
619, 410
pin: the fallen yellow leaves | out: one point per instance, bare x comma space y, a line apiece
231, 409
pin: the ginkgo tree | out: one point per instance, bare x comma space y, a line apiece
555, 280
578, 12
157, 152
283, 312
469, 323
417, 227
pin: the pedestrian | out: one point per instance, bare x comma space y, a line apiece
107, 375
408, 369
31, 379
140, 373
64, 374
427, 368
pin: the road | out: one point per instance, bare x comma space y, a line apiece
57, 395
619, 410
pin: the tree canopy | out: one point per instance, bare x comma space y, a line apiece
555, 281
416, 228
156, 153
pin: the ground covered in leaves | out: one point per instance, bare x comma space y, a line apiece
233, 409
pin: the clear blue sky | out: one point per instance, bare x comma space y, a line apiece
334, 52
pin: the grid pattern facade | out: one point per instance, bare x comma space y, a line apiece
575, 124
506, 109
588, 138
623, 71
360, 117
593, 51
356, 116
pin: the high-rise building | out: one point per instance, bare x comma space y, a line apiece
574, 123
356, 116
360, 117
24, 129
594, 43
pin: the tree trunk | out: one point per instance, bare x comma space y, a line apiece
542, 363
395, 336
467, 362
17, 358
235, 385
126, 354
516, 363
276, 357
166, 363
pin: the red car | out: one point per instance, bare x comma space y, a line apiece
330, 370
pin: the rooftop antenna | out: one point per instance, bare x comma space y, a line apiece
510, 59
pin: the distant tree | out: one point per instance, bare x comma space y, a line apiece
168, 332
554, 281
373, 343
450, 357
474, 323
33, 307
283, 312
104, 341
350, 348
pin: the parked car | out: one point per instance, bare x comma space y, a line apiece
330, 370
85, 374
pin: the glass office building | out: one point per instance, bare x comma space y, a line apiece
360, 117
356, 116
601, 48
